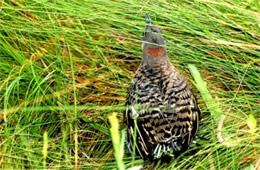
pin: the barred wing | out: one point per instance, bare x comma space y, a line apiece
167, 118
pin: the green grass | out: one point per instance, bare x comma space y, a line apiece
65, 66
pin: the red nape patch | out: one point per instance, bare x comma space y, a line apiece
155, 52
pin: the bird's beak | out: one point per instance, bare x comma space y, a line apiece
148, 19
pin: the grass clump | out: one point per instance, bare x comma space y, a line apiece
66, 65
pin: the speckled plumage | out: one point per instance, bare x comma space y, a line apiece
162, 103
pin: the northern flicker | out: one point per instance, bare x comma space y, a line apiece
162, 114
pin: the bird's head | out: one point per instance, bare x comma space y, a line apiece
153, 45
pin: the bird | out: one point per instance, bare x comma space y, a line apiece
162, 114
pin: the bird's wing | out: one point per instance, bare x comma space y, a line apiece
186, 111
142, 106
163, 115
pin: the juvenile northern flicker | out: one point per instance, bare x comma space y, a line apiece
161, 102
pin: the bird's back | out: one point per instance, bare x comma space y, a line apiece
165, 110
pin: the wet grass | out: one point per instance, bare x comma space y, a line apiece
65, 66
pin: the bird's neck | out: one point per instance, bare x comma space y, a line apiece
163, 66
161, 62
